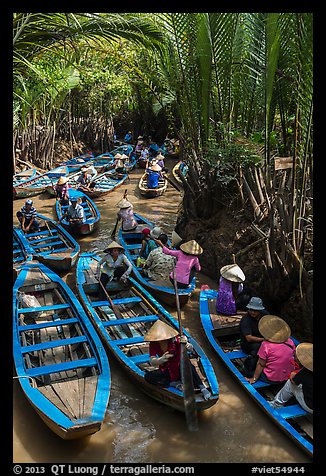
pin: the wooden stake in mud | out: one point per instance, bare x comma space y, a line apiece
116, 223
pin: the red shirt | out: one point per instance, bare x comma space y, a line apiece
173, 364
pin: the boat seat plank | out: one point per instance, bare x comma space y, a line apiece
46, 245
57, 250
43, 325
53, 307
127, 341
131, 320
140, 359
291, 411
44, 238
62, 367
260, 384
38, 233
126, 300
133, 246
53, 343
236, 354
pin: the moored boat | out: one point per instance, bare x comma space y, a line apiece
180, 168
21, 177
21, 254
292, 418
92, 214
123, 327
162, 290
52, 245
152, 192
38, 184
60, 362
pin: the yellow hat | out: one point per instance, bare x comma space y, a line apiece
62, 180
113, 245
305, 355
117, 156
274, 329
160, 331
191, 248
232, 272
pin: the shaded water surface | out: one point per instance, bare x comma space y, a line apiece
137, 428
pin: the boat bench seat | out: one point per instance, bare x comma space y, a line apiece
53, 307
44, 238
128, 340
236, 354
291, 411
53, 343
18, 258
44, 325
116, 301
38, 233
62, 367
130, 320
140, 359
46, 245
56, 250
133, 246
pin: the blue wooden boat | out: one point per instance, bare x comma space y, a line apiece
38, 184
52, 245
152, 192
76, 163
161, 289
21, 177
292, 418
92, 214
21, 254
180, 169
60, 362
124, 336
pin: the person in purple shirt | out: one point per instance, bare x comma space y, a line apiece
230, 285
187, 261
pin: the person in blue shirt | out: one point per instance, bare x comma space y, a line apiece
128, 137
153, 175
27, 217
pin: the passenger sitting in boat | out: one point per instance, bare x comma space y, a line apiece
116, 266
300, 382
250, 337
159, 160
153, 175
152, 147
164, 351
128, 137
144, 153
159, 265
230, 285
27, 218
126, 214
119, 164
148, 242
84, 180
61, 190
187, 262
276, 352
75, 213
139, 146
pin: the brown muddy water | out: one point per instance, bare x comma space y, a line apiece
138, 429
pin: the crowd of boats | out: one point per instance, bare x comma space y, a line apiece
63, 342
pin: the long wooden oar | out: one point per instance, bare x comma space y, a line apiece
114, 308
171, 183
186, 373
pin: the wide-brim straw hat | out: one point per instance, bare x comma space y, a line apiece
117, 156
159, 157
156, 168
124, 203
80, 160
160, 331
191, 248
233, 272
304, 352
124, 157
175, 238
274, 329
113, 245
155, 232
62, 180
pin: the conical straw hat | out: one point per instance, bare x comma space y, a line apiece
175, 238
191, 248
62, 180
305, 355
160, 331
124, 203
156, 168
233, 272
113, 245
124, 156
117, 156
274, 329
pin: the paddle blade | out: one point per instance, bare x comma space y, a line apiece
188, 390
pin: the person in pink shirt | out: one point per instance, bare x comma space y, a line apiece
187, 261
276, 352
